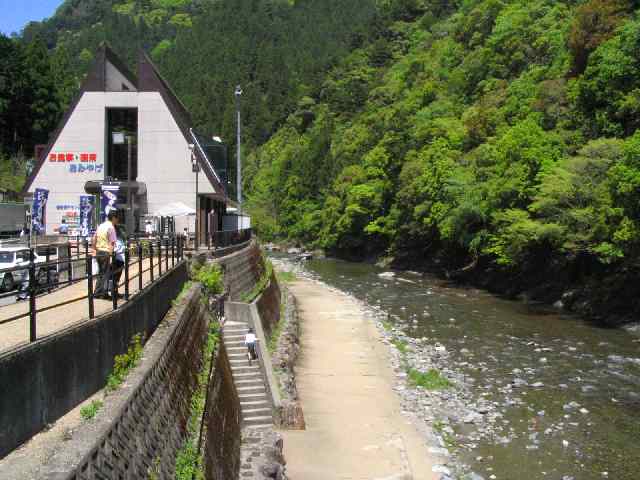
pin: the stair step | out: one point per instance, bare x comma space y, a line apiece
234, 337
248, 375
264, 420
237, 349
245, 369
254, 403
256, 411
251, 396
259, 417
250, 380
260, 426
234, 344
254, 388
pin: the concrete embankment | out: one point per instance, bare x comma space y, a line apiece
355, 428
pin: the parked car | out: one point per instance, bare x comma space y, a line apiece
12, 257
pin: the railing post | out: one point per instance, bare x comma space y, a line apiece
140, 266
32, 297
89, 269
114, 284
47, 259
166, 256
151, 259
159, 257
173, 251
126, 271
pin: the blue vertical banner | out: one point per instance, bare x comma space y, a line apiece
109, 199
87, 207
39, 210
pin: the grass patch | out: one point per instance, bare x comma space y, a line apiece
183, 293
275, 336
286, 277
89, 411
260, 285
387, 325
449, 440
189, 461
401, 345
124, 363
431, 380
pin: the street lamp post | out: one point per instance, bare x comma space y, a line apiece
238, 94
195, 168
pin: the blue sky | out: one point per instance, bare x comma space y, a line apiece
14, 14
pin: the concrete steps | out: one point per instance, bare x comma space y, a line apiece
250, 383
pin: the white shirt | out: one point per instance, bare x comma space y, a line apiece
250, 338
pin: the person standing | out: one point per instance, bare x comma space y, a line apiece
104, 242
63, 229
119, 251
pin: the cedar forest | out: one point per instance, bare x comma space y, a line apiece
492, 136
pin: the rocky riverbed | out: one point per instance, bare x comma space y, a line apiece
533, 395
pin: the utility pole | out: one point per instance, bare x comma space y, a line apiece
130, 222
238, 94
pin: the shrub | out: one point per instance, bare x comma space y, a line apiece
211, 277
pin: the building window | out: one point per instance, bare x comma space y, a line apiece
122, 128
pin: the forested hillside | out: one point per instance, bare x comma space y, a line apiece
493, 138
277, 50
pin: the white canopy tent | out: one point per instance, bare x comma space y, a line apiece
174, 209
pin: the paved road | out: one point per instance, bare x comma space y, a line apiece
354, 426
7, 301
16, 332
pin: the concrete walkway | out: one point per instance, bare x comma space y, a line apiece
355, 429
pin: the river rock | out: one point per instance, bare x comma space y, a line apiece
441, 469
615, 358
387, 275
473, 476
570, 406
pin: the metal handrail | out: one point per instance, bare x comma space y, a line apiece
170, 246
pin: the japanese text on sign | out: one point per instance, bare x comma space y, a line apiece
68, 157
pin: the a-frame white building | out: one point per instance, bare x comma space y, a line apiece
90, 149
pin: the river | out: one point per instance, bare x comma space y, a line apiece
566, 392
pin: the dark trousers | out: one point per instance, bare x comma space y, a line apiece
117, 271
104, 272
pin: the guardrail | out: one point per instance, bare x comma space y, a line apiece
154, 256
227, 238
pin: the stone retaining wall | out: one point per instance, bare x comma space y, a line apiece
222, 420
142, 425
44, 380
242, 266
284, 359
268, 304
242, 270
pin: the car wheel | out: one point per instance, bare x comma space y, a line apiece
7, 282
41, 277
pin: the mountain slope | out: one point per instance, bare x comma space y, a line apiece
494, 139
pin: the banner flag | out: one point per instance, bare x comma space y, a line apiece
39, 210
87, 207
109, 199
